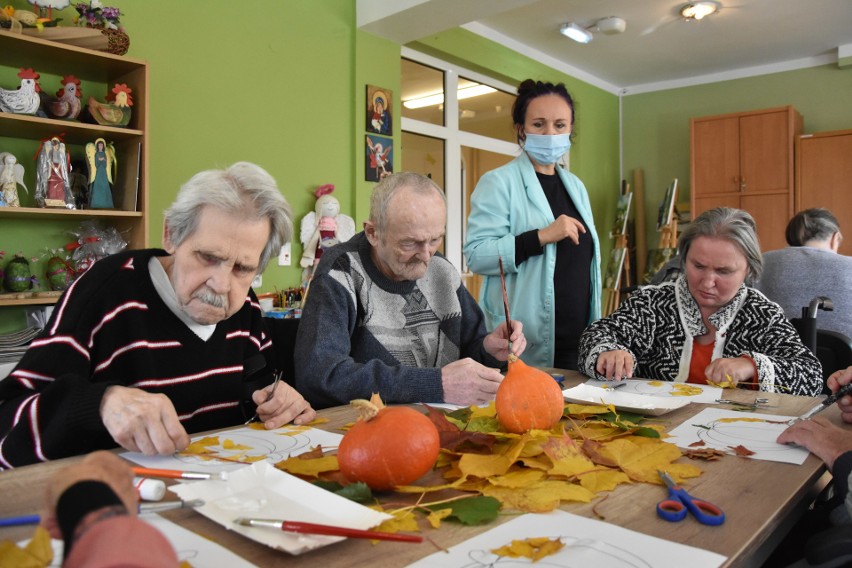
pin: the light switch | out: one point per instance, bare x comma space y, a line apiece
284, 256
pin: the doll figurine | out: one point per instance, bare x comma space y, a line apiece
11, 175
101, 160
323, 228
53, 185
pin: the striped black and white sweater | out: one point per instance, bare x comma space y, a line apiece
112, 328
656, 325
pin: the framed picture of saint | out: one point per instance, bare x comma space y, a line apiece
379, 114
378, 157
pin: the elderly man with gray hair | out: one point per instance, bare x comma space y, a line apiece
386, 314
149, 345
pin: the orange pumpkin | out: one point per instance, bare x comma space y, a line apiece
387, 447
528, 398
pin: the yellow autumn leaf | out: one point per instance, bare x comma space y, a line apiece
655, 383
435, 517
201, 446
36, 554
486, 465
540, 497
428, 488
403, 520
256, 426
579, 409
310, 468
683, 389
533, 548
487, 411
603, 479
231, 445
518, 478
640, 457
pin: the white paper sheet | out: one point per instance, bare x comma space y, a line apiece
759, 437
708, 393
624, 401
260, 491
588, 543
274, 445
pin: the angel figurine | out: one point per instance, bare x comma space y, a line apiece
53, 184
323, 228
101, 160
11, 175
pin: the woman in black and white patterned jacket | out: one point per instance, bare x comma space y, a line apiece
709, 325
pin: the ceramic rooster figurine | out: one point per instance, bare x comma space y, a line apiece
24, 99
67, 104
114, 112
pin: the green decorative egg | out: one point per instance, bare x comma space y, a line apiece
18, 277
59, 273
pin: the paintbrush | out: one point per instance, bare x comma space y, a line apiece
269, 396
178, 474
143, 508
313, 528
505, 300
843, 391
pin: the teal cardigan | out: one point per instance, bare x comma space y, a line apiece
509, 201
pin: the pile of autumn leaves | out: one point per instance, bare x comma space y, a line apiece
591, 450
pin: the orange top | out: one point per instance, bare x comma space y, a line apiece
701, 355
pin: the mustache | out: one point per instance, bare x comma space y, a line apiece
211, 298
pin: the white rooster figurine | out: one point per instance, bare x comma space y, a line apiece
24, 99
323, 228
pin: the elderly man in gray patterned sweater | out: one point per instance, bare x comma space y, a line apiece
386, 314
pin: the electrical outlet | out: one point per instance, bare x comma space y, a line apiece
284, 256
257, 282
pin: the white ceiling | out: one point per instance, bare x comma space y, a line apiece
657, 50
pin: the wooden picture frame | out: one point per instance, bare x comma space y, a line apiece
622, 214
612, 276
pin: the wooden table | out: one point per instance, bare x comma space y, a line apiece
761, 499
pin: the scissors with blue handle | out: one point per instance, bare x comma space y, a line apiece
680, 502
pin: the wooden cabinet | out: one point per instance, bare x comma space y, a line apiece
745, 160
30, 229
824, 177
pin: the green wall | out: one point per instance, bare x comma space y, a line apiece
656, 125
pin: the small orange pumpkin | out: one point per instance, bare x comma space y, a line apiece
528, 398
388, 446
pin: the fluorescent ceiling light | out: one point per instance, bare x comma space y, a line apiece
699, 10
575, 32
467, 92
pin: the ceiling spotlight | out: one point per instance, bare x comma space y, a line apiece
575, 32
699, 10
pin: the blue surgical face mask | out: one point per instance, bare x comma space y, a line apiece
546, 149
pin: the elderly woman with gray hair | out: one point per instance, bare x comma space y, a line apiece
708, 326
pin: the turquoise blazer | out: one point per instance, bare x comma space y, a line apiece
509, 201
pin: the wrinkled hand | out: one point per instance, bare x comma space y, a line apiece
142, 422
822, 438
735, 370
841, 379
564, 227
467, 382
98, 466
286, 405
615, 365
496, 343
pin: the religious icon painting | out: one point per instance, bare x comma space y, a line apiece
379, 117
378, 157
